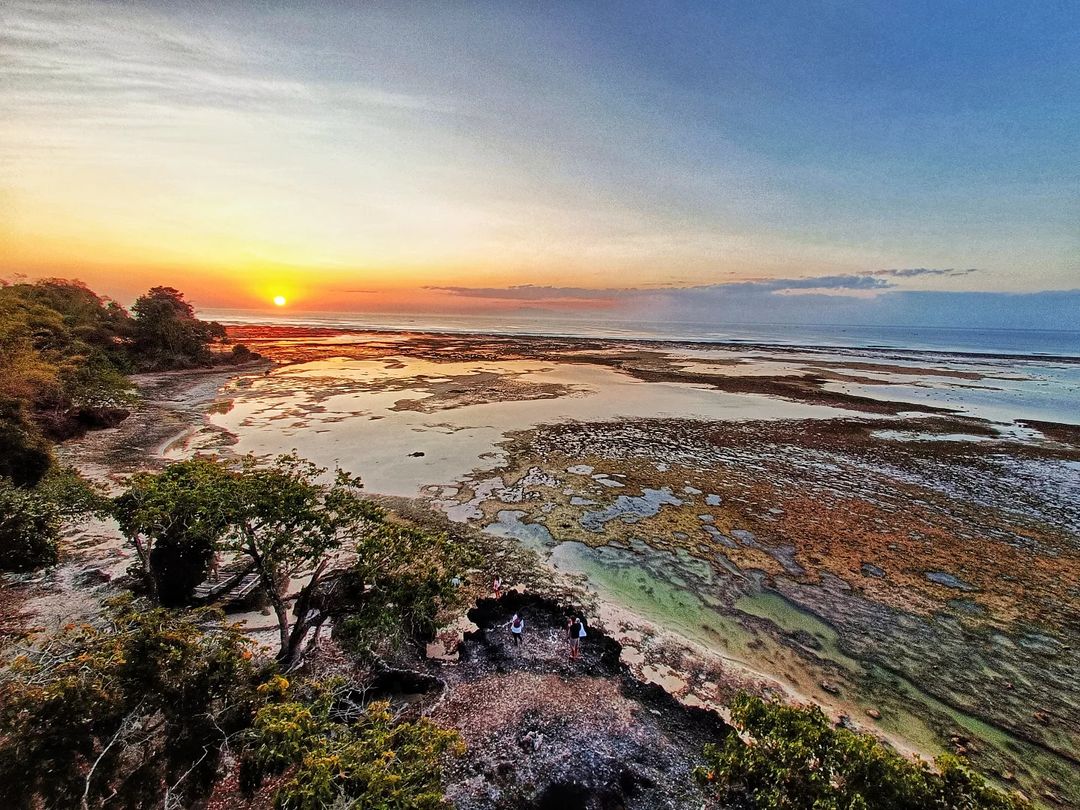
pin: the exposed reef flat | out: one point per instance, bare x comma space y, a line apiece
893, 535
878, 564
803, 374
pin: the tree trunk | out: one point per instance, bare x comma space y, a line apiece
291, 643
142, 548
282, 614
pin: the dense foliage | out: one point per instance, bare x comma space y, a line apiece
401, 579
29, 528
61, 351
338, 752
793, 759
64, 354
31, 517
166, 333
175, 520
138, 712
125, 714
287, 523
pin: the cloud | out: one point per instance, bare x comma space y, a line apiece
532, 292
855, 299
869, 280
912, 272
133, 65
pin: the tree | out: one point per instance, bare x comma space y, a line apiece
133, 713
794, 759
295, 530
175, 520
293, 527
167, 333
281, 518
339, 752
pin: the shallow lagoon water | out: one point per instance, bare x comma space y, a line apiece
337, 412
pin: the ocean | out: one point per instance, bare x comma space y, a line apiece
998, 342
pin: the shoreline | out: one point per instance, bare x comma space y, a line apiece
175, 419
243, 328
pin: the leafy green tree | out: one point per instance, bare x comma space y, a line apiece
282, 518
338, 752
791, 758
133, 713
167, 333
175, 520
298, 531
293, 527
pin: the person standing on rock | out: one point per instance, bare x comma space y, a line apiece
496, 587
517, 627
573, 633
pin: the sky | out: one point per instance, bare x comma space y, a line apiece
900, 162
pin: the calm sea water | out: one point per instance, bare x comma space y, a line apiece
1048, 342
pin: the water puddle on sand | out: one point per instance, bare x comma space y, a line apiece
402, 423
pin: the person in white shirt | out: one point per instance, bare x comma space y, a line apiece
517, 627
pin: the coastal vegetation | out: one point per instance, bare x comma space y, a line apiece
141, 709
793, 758
31, 518
64, 355
339, 751
281, 523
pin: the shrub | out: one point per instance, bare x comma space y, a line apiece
393, 593
31, 518
25, 456
119, 714
794, 759
340, 753
29, 528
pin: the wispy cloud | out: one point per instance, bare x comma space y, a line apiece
869, 280
912, 272
57, 55
532, 292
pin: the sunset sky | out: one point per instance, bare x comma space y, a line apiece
696, 160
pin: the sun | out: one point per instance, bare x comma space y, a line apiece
279, 300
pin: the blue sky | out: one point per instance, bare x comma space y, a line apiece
391, 155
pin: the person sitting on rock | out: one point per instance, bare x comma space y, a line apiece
517, 627
573, 633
